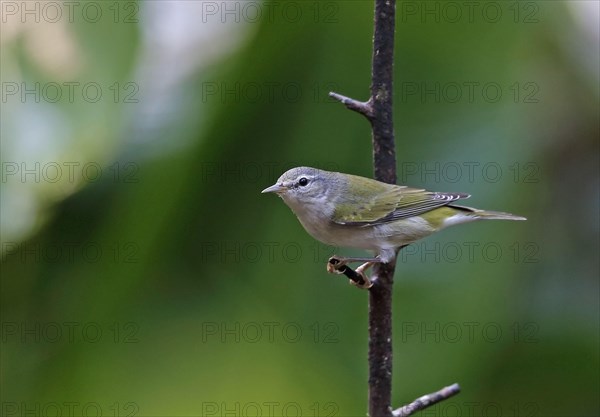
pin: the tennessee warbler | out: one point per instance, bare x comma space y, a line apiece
351, 211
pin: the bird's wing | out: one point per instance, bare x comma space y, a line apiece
395, 203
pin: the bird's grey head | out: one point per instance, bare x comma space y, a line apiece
304, 185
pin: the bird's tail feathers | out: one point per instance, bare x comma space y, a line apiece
490, 215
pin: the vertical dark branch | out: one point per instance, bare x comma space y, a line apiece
380, 342
384, 151
379, 111
384, 166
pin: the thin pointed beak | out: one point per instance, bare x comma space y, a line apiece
276, 188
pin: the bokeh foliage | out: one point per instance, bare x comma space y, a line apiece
186, 246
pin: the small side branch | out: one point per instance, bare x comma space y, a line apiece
363, 107
426, 401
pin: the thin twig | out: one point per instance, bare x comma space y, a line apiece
362, 107
426, 401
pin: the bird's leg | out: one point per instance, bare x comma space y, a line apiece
337, 265
358, 277
364, 282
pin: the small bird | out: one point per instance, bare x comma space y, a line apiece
351, 211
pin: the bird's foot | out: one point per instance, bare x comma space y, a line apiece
337, 265
358, 278
363, 282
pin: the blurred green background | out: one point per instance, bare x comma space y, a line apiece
143, 273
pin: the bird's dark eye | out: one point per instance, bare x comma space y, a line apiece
303, 182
